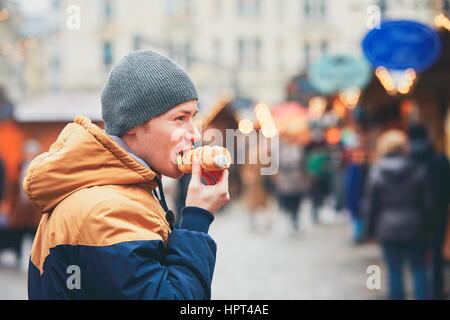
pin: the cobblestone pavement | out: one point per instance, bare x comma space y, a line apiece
13, 283
317, 263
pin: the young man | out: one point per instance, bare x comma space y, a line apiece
105, 233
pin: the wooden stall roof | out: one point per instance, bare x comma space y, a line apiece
62, 107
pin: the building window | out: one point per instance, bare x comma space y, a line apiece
257, 54
382, 4
306, 8
189, 9
187, 53
217, 51
179, 8
249, 8
170, 7
280, 52
307, 53
323, 47
107, 54
250, 54
314, 8
280, 8
108, 10
55, 68
240, 8
241, 53
323, 8
56, 4
257, 8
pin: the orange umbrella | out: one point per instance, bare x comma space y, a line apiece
289, 110
291, 118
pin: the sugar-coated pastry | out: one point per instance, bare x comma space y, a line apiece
212, 158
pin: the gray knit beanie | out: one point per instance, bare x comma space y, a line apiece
142, 85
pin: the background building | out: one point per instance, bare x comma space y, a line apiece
247, 47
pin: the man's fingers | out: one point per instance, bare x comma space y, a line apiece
209, 179
223, 180
223, 185
196, 171
217, 175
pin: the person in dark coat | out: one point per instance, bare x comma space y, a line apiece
438, 169
2, 180
354, 181
2, 191
397, 207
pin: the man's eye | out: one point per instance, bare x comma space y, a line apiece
179, 118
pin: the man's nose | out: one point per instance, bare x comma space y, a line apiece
197, 135
194, 133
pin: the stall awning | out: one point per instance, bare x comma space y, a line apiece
61, 107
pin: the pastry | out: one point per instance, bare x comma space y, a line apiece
212, 158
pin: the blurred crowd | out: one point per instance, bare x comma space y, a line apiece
395, 193
394, 190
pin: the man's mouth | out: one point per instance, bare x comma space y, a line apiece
184, 150
179, 154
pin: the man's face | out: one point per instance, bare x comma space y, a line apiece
161, 139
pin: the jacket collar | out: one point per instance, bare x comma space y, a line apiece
122, 143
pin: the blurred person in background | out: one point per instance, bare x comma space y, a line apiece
2, 179
438, 169
6, 112
338, 168
354, 181
24, 215
2, 190
20, 223
446, 245
318, 168
6, 106
398, 206
290, 182
256, 193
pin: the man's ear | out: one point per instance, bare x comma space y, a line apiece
130, 136
131, 132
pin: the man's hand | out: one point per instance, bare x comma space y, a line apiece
210, 197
